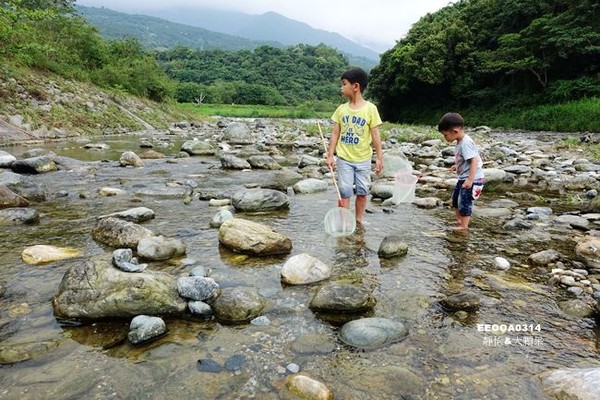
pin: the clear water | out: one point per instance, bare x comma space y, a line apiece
444, 356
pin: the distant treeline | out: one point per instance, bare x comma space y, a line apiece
266, 75
492, 56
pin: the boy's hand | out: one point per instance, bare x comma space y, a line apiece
467, 184
378, 166
453, 168
330, 162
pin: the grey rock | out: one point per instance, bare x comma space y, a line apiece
238, 305
392, 246
197, 288
19, 215
144, 328
93, 290
461, 301
371, 333
341, 297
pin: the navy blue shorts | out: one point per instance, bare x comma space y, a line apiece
463, 198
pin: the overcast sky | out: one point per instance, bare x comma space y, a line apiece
371, 22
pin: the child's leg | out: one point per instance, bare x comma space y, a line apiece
361, 206
362, 184
455, 201
463, 221
465, 207
345, 179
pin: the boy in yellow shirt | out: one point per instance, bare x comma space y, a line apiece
355, 133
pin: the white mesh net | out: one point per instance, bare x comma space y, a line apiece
340, 221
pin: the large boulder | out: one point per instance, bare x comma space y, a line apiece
342, 297
572, 383
229, 161
238, 133
370, 333
197, 147
9, 199
23, 185
303, 269
238, 305
259, 200
282, 180
247, 237
19, 215
118, 233
6, 159
34, 165
158, 248
92, 290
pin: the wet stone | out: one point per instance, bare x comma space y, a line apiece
209, 365
313, 343
371, 333
235, 363
461, 301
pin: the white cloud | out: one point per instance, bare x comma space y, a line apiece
377, 22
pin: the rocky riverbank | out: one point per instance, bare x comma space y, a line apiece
247, 174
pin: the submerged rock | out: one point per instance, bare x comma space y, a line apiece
341, 297
461, 301
41, 254
371, 333
308, 388
19, 215
392, 246
572, 383
238, 305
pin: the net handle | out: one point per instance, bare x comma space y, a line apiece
337, 189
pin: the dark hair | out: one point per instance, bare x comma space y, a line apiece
357, 75
449, 121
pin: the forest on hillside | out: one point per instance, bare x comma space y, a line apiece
267, 75
492, 54
535, 62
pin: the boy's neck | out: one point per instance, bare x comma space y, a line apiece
356, 100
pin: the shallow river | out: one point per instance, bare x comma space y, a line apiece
444, 357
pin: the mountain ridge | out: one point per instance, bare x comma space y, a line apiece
159, 33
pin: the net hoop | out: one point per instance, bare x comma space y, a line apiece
339, 221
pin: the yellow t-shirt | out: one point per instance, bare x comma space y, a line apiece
354, 144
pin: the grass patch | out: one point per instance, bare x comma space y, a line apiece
574, 116
590, 150
252, 111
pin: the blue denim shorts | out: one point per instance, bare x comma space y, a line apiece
353, 178
463, 198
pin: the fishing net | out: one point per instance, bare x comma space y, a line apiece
339, 221
404, 188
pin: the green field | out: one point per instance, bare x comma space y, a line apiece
253, 111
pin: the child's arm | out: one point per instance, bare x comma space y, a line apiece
376, 137
472, 169
335, 135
